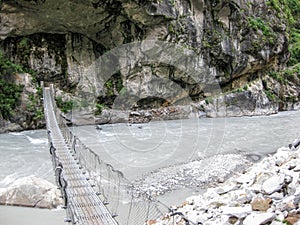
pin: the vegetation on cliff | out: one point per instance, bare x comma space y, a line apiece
20, 95
290, 10
294, 45
10, 92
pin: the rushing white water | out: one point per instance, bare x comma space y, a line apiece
24, 154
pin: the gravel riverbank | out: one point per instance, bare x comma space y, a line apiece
198, 174
266, 193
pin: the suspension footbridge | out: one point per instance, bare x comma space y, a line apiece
82, 201
94, 192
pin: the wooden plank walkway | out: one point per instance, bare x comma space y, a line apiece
84, 206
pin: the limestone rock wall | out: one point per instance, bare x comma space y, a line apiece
235, 41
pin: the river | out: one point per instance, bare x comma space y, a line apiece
24, 154
141, 148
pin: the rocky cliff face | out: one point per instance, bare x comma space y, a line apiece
231, 43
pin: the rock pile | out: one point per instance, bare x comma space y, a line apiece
267, 193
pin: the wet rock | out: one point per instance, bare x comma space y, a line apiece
31, 192
7, 126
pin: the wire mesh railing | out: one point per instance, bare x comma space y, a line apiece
117, 193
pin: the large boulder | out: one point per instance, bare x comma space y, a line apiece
31, 192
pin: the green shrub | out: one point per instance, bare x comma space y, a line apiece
238, 90
99, 108
290, 10
271, 96
65, 106
208, 100
39, 114
287, 9
259, 24
278, 76
294, 47
286, 75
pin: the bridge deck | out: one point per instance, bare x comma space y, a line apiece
82, 201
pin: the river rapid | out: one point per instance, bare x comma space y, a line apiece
139, 149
